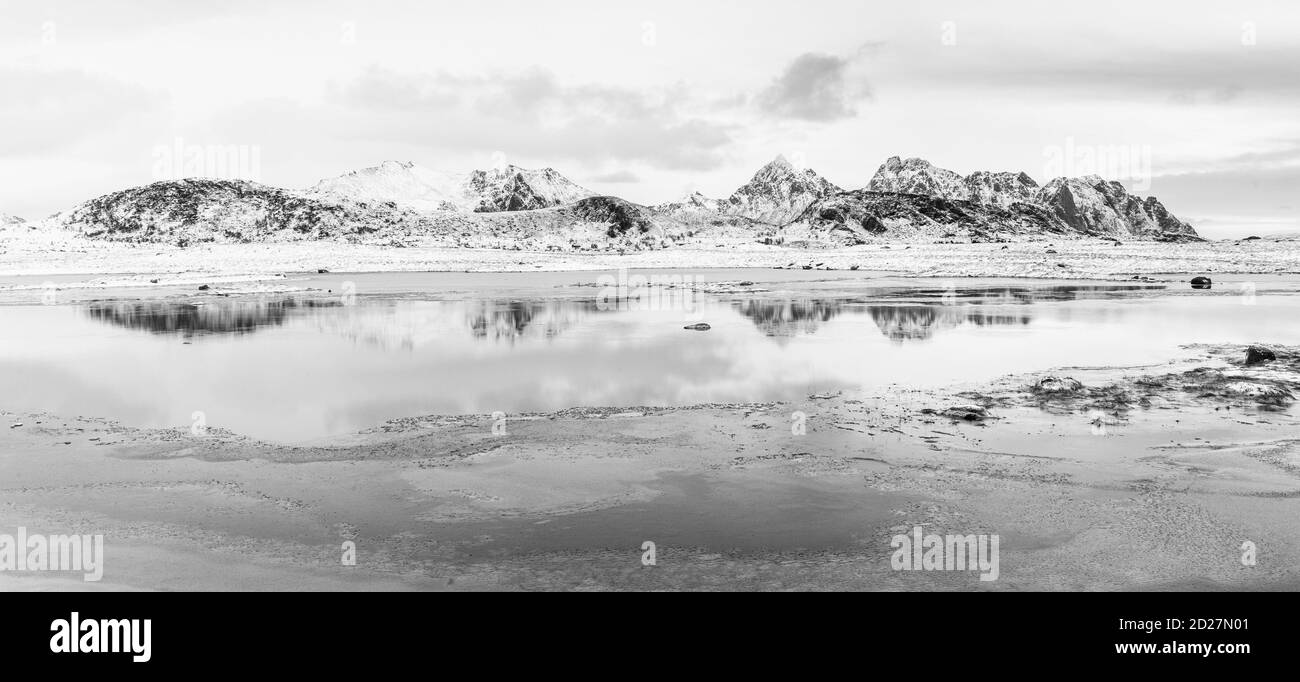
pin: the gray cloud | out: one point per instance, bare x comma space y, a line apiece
812, 88
1189, 76
532, 113
621, 177
49, 111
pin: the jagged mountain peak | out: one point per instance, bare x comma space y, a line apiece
778, 193
780, 162
512, 188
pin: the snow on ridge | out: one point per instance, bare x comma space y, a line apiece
508, 188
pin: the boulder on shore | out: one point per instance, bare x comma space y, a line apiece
1054, 385
969, 413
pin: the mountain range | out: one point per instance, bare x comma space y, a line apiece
511, 207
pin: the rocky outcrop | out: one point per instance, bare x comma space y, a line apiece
1001, 189
863, 216
622, 217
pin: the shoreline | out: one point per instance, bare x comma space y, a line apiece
44, 254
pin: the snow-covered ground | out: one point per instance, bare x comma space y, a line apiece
39, 252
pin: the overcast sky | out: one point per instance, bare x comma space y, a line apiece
1199, 101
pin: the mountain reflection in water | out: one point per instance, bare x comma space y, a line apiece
512, 321
919, 322
299, 366
222, 317
902, 315
784, 319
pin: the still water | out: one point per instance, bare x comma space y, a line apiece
292, 368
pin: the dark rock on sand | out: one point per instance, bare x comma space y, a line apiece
204, 288
1258, 355
698, 328
969, 413
1202, 283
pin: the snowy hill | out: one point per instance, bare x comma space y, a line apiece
404, 184
483, 191
693, 203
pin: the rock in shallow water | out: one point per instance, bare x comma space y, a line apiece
1202, 283
698, 328
1258, 355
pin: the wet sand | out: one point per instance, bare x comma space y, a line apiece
1085, 492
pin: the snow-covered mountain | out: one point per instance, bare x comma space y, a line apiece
404, 184
693, 203
515, 208
918, 176
1001, 189
518, 189
779, 193
414, 187
864, 216
1087, 206
1099, 207
6, 220
202, 211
